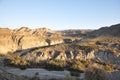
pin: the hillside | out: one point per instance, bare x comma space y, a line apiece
72, 50
24, 38
113, 30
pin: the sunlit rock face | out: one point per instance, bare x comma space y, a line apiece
51, 53
24, 38
45, 44
6, 41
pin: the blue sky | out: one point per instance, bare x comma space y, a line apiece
59, 14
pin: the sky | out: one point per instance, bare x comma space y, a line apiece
59, 14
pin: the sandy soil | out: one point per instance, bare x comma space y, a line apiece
42, 73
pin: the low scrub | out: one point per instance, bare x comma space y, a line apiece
77, 66
55, 65
94, 73
74, 73
15, 60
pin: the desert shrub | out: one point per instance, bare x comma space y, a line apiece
74, 73
98, 43
93, 73
23, 67
15, 60
86, 62
37, 73
55, 65
86, 48
109, 67
69, 77
77, 66
67, 40
58, 62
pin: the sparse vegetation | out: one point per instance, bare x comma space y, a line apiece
72, 46
55, 65
77, 66
74, 73
94, 73
108, 67
15, 60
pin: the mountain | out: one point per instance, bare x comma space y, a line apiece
73, 50
113, 30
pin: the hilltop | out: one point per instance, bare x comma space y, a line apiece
113, 30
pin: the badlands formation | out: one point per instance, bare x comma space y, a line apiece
45, 48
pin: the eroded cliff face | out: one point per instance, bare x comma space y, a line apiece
69, 54
108, 56
45, 44
24, 38
6, 42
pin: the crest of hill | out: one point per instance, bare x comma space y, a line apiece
38, 31
4, 31
113, 30
24, 38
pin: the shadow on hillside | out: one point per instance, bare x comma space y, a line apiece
113, 75
75, 33
25, 51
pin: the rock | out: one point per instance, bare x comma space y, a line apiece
106, 56
25, 38
80, 55
90, 55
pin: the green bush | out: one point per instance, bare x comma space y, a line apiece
93, 73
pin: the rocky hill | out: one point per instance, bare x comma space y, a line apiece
73, 50
24, 38
113, 30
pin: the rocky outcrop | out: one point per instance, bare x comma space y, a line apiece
33, 42
108, 56
69, 54
6, 42
25, 38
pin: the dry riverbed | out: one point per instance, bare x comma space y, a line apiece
41, 73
